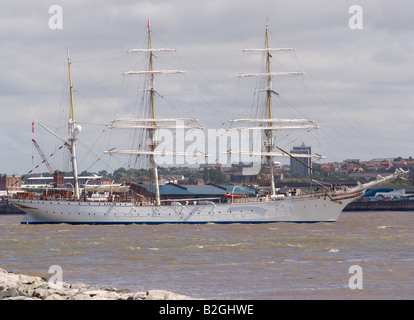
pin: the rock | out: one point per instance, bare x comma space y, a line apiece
24, 287
165, 295
41, 293
10, 293
138, 296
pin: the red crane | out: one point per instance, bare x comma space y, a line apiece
43, 156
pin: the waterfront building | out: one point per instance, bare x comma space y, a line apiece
59, 181
296, 167
10, 182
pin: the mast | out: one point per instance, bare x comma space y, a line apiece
270, 124
269, 79
152, 123
73, 131
152, 131
269, 133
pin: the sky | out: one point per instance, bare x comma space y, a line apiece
357, 85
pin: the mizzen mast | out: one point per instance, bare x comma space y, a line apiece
74, 129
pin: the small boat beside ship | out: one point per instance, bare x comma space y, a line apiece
7, 208
129, 206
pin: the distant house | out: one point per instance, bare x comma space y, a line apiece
385, 165
10, 182
175, 178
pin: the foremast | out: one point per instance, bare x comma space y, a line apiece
270, 125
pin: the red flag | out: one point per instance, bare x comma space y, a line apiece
32, 127
149, 25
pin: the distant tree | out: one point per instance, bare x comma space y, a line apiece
103, 173
206, 175
410, 158
214, 175
119, 174
193, 177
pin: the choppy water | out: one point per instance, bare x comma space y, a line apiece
236, 261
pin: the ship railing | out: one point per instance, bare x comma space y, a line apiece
247, 200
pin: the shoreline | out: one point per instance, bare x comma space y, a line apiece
24, 287
380, 205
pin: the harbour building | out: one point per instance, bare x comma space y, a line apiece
10, 182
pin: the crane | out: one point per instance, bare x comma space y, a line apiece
43, 157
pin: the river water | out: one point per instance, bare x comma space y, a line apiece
235, 261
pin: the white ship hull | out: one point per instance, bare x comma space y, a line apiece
304, 208
313, 207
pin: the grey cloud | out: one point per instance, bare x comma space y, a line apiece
363, 73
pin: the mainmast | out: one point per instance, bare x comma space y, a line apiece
152, 131
73, 131
269, 133
152, 124
269, 79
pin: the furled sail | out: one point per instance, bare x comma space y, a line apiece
271, 74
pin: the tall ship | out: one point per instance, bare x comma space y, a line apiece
126, 206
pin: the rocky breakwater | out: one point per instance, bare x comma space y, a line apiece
23, 287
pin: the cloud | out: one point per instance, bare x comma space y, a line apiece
353, 78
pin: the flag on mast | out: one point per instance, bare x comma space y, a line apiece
149, 24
